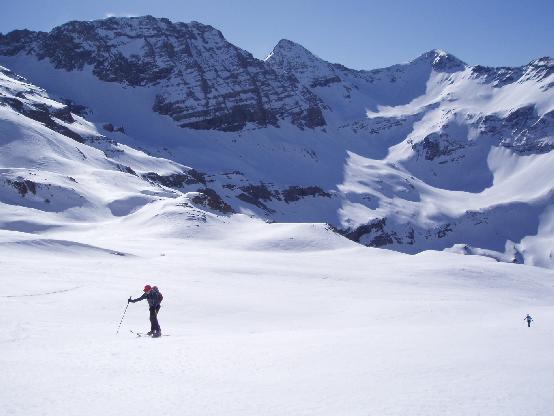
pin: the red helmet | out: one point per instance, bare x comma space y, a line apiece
147, 288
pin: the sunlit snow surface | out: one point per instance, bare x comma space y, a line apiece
284, 318
267, 319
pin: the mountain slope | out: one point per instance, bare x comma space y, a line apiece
197, 78
431, 154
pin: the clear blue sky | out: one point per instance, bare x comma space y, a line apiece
357, 33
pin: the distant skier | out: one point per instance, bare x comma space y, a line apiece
528, 319
154, 297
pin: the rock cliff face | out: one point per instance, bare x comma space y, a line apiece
202, 81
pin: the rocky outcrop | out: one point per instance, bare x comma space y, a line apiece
436, 145
373, 234
260, 194
48, 116
176, 180
295, 193
202, 81
23, 186
209, 198
536, 70
522, 130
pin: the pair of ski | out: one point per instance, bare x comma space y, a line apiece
142, 334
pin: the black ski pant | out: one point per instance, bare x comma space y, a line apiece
154, 325
529, 324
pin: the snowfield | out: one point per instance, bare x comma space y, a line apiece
254, 194
267, 319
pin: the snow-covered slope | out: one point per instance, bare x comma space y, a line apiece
431, 154
266, 319
137, 150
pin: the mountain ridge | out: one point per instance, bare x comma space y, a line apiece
410, 157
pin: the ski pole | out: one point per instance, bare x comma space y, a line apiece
120, 322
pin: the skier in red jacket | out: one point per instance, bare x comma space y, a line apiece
154, 298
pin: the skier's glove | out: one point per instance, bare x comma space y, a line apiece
129, 300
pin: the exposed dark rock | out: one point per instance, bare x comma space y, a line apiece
176, 180
520, 117
536, 70
497, 77
311, 118
18, 40
23, 186
14, 103
443, 230
202, 81
522, 131
235, 172
127, 169
410, 237
260, 192
251, 200
211, 199
109, 127
436, 145
295, 193
255, 194
325, 82
539, 69
234, 120
376, 229
63, 114
41, 113
444, 62
518, 258
80, 110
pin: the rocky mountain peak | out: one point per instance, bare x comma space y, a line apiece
543, 61
293, 59
202, 81
291, 50
441, 61
290, 57
539, 69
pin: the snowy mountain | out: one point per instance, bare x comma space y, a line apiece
143, 120
201, 80
140, 151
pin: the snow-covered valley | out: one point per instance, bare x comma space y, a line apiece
268, 319
328, 241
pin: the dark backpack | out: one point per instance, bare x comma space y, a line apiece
158, 297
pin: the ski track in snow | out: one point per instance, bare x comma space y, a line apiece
41, 294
